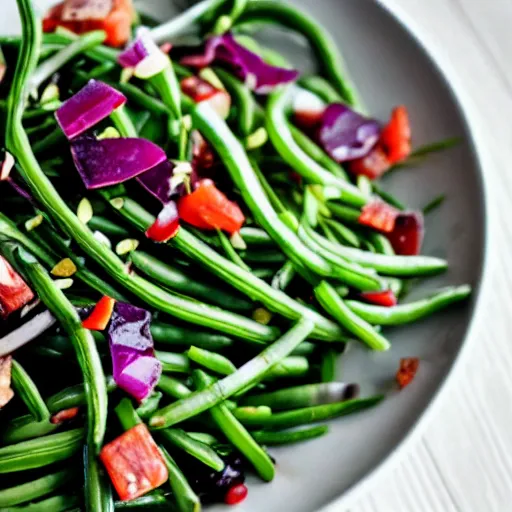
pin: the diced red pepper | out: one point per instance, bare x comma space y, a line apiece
14, 292
208, 208
166, 225
373, 165
115, 17
236, 494
384, 298
100, 315
6, 393
407, 371
200, 90
134, 463
379, 215
396, 136
65, 415
407, 235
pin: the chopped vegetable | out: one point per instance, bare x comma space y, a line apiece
236, 494
373, 165
166, 225
94, 102
6, 393
346, 135
64, 268
257, 75
135, 368
385, 298
106, 162
100, 316
379, 215
65, 415
3, 65
34, 222
407, 371
115, 17
134, 463
308, 109
6, 165
157, 180
14, 292
201, 90
396, 136
208, 208
407, 235
85, 211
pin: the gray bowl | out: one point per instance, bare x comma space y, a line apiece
390, 67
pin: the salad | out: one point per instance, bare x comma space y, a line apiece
191, 233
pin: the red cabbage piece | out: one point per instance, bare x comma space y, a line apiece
257, 75
105, 162
346, 135
136, 52
407, 235
87, 107
157, 181
134, 365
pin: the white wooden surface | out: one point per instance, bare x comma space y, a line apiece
462, 459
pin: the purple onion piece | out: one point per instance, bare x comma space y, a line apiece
129, 327
157, 181
87, 107
346, 135
111, 161
257, 75
136, 52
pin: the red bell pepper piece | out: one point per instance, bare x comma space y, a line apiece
236, 494
14, 292
200, 90
407, 371
6, 393
407, 235
134, 463
100, 315
373, 165
384, 298
65, 415
396, 136
208, 208
166, 225
115, 17
379, 215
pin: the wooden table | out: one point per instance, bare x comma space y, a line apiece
461, 460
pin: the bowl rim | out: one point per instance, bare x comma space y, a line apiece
450, 78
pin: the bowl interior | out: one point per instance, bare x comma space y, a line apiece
389, 67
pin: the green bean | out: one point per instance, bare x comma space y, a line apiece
255, 236
283, 276
289, 367
325, 48
328, 365
407, 313
298, 417
172, 362
242, 413
54, 138
149, 406
107, 227
389, 198
186, 498
284, 143
54, 63
243, 99
54, 504
127, 415
74, 396
40, 452
140, 98
237, 434
177, 335
389, 265
83, 342
345, 213
36, 131
214, 362
332, 303
26, 389
230, 251
180, 439
336, 232
434, 204
263, 273
381, 243
316, 153
269, 257
203, 437
303, 396
235, 159
98, 491
321, 87
24, 428
248, 374
435, 147
173, 387
245, 282
35, 489
289, 437
155, 501
304, 349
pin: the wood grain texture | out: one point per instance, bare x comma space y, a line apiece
462, 461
